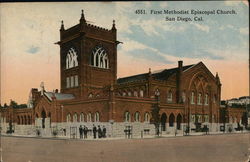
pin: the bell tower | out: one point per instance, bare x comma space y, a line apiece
88, 58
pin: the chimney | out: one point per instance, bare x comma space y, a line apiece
179, 82
180, 63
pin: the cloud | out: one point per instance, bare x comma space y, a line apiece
204, 28
232, 3
33, 49
244, 31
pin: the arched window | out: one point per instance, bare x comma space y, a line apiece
97, 117
129, 94
206, 99
89, 117
127, 116
135, 93
141, 93
199, 99
146, 117
192, 97
71, 58
75, 117
169, 97
68, 118
137, 116
123, 93
81, 117
99, 58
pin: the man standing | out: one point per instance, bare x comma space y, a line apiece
94, 131
85, 131
80, 131
104, 132
99, 132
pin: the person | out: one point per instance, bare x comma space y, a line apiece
85, 131
81, 132
99, 132
94, 131
104, 131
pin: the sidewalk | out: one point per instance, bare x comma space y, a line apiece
122, 138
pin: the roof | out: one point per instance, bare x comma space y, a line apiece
59, 96
244, 97
159, 75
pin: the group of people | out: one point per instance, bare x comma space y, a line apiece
100, 132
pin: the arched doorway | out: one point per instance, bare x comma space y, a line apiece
43, 115
179, 120
171, 120
163, 121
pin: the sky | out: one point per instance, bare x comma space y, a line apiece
29, 31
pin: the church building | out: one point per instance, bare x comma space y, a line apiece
91, 94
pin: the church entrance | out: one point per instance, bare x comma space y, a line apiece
43, 114
163, 121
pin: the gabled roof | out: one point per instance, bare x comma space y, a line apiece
59, 96
159, 75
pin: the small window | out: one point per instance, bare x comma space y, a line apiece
206, 118
169, 97
81, 117
89, 117
183, 96
192, 97
127, 116
76, 80
193, 118
135, 93
67, 82
72, 81
157, 92
129, 94
137, 116
199, 99
90, 95
146, 117
97, 117
123, 93
75, 117
206, 99
141, 93
68, 118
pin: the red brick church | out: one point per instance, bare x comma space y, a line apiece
91, 93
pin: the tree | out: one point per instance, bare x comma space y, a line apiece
13, 104
5, 105
155, 111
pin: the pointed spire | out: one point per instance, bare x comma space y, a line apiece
149, 70
113, 27
62, 26
82, 20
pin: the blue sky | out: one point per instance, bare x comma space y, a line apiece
29, 31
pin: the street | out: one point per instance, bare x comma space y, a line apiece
205, 148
